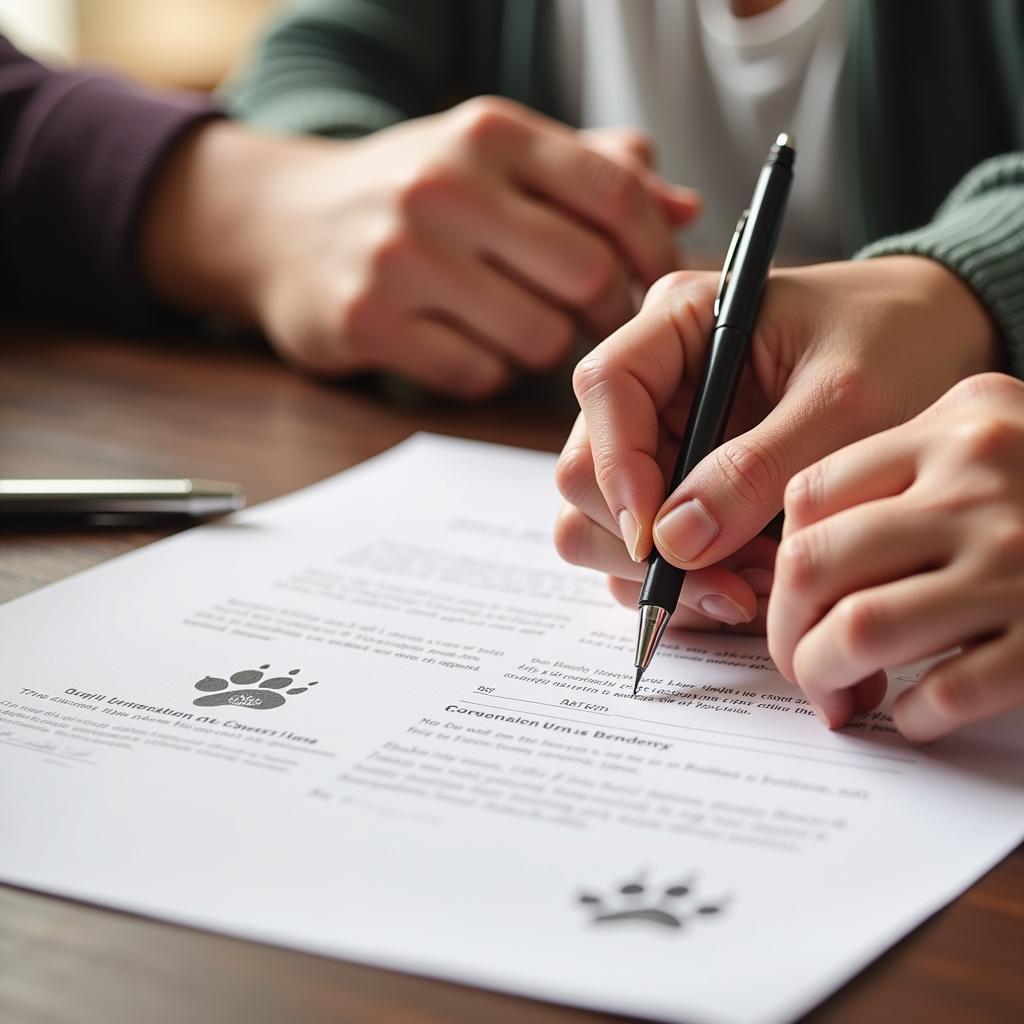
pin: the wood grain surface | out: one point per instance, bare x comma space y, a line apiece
81, 405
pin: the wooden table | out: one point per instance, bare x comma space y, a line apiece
94, 406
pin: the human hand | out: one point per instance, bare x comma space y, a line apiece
730, 595
460, 248
841, 351
453, 250
904, 546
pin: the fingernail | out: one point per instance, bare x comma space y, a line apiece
686, 195
686, 531
725, 609
760, 580
630, 530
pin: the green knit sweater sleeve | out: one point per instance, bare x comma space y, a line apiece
978, 233
345, 68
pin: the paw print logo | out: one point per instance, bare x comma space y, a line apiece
671, 907
263, 697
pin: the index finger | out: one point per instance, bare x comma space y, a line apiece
624, 383
879, 466
604, 192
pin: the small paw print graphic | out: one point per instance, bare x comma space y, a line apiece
671, 907
263, 697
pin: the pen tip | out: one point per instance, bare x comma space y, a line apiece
786, 139
639, 675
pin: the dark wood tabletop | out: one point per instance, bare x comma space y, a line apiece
82, 405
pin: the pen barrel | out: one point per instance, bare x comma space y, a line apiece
741, 297
705, 429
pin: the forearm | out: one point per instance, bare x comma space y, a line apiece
345, 69
215, 215
78, 154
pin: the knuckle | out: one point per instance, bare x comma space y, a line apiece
590, 378
640, 145
804, 494
1005, 544
666, 287
571, 536
618, 188
751, 469
574, 474
1010, 536
985, 386
796, 562
801, 672
987, 438
484, 120
607, 469
861, 622
686, 299
953, 693
426, 189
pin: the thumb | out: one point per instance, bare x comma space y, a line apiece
739, 488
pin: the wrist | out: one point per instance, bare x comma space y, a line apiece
208, 227
947, 308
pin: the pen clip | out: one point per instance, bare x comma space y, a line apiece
730, 259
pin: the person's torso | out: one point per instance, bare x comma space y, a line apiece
714, 90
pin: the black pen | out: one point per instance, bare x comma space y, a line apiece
736, 307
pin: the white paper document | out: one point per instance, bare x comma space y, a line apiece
380, 720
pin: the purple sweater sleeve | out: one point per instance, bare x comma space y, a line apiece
77, 151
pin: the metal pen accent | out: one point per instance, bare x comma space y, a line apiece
50, 498
737, 304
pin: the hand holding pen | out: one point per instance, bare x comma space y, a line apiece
840, 351
737, 304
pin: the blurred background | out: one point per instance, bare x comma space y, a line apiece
189, 44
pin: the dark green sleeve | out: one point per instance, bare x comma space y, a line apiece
978, 233
348, 67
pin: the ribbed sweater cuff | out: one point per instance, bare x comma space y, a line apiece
978, 233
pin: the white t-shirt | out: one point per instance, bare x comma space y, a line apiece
714, 91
